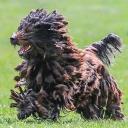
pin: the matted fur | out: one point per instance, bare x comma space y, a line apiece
55, 74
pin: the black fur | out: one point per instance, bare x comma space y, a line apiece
55, 74
107, 48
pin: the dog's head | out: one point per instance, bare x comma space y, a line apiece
38, 32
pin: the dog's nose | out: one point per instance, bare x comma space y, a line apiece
14, 39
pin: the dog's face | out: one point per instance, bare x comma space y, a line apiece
38, 31
19, 38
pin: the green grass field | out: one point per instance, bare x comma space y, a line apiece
89, 21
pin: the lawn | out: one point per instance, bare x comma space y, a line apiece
89, 21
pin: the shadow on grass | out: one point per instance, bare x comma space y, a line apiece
67, 119
9, 121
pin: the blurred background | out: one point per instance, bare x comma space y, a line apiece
89, 21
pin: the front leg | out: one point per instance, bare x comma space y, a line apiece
32, 103
24, 102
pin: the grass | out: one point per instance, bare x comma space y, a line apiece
89, 21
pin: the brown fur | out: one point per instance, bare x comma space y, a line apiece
55, 74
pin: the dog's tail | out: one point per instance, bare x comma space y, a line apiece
107, 47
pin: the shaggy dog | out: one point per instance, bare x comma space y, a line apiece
56, 75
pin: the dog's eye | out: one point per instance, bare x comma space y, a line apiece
26, 30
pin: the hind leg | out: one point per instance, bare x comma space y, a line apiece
88, 112
103, 104
114, 111
114, 101
88, 108
110, 100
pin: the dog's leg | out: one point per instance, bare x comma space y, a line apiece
46, 106
113, 109
31, 103
102, 103
47, 110
88, 107
89, 111
24, 102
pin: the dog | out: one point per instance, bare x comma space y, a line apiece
56, 75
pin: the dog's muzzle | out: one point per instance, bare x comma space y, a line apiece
14, 40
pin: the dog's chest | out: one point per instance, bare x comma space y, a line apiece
46, 74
